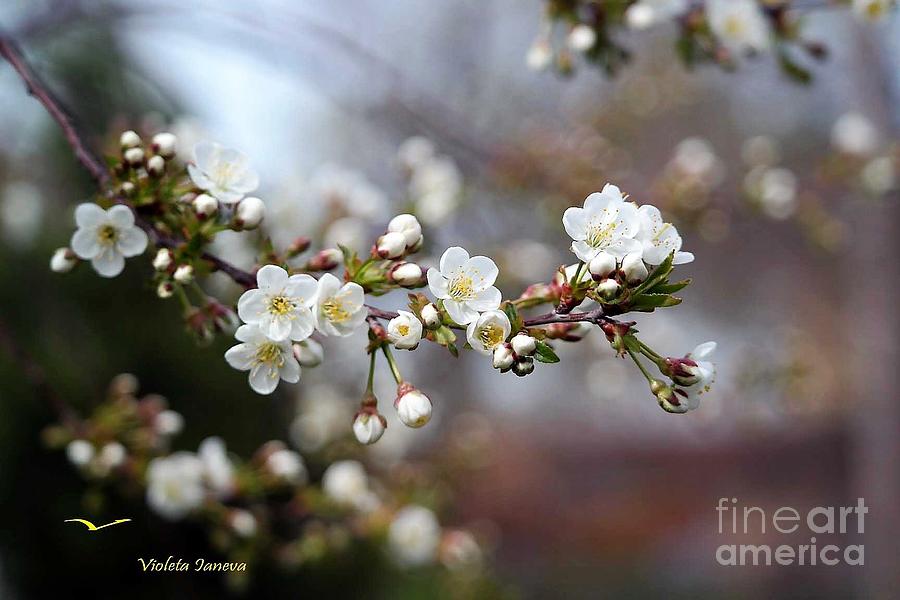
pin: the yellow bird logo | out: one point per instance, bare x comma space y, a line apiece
92, 527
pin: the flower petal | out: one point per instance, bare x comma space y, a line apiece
277, 329
437, 283
453, 259
108, 263
89, 214
241, 357
252, 305
303, 287
459, 312
120, 216
85, 244
488, 299
482, 270
290, 372
132, 241
683, 258
303, 324
263, 379
703, 350
205, 154
199, 178
272, 278
575, 222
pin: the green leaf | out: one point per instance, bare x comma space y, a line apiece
792, 69
670, 288
659, 275
650, 302
544, 353
514, 319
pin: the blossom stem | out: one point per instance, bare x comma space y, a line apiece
392, 364
577, 278
649, 352
640, 366
371, 380
182, 296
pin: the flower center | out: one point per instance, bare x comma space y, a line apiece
280, 305
491, 336
107, 234
875, 9
403, 330
269, 353
335, 311
598, 235
461, 287
222, 174
734, 26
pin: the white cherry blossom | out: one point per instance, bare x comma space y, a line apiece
218, 472
414, 536
606, 224
488, 331
658, 239
268, 361
175, 484
339, 309
405, 330
739, 24
466, 285
282, 304
223, 172
704, 372
107, 237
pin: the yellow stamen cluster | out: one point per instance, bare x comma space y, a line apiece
461, 287
280, 305
491, 336
335, 311
107, 234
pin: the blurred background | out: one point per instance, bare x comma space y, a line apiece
577, 484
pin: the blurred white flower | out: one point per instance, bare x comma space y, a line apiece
175, 485
218, 472
581, 38
287, 465
414, 536
339, 308
760, 150
853, 133
268, 361
107, 237
405, 330
347, 192
488, 331
223, 172
872, 10
79, 452
695, 157
414, 152
243, 522
606, 224
460, 550
111, 456
879, 176
345, 482
658, 238
465, 284
282, 304
168, 423
539, 55
739, 24
435, 187
21, 212
778, 193
647, 13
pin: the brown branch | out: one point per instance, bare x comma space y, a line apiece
35, 87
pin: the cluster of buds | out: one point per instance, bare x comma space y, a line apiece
516, 355
145, 161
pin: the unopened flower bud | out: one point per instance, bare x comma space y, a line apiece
242, 522
407, 274
164, 144
369, 426
63, 260
79, 452
582, 38
250, 212
112, 455
165, 290
168, 423
683, 371
413, 407
325, 260
309, 353
184, 274
668, 400
163, 259
524, 366
391, 245
503, 358
431, 316
298, 246
205, 206
602, 265
608, 288
127, 188
156, 166
129, 139
409, 226
134, 157
523, 344
634, 268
